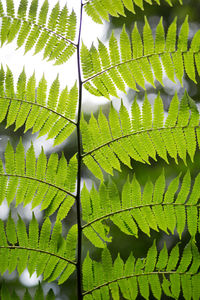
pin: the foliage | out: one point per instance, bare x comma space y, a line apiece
104, 145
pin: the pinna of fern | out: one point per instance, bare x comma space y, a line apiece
32, 27
161, 272
27, 180
41, 251
139, 136
158, 207
101, 9
140, 59
39, 294
31, 106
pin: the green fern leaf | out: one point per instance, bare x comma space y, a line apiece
151, 259
38, 110
143, 138
145, 273
39, 251
43, 13
135, 65
157, 207
10, 7
159, 189
14, 106
33, 10
53, 184
162, 259
185, 259
31, 29
99, 10
32, 38
148, 39
160, 37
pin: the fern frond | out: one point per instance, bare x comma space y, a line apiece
40, 251
161, 273
122, 137
39, 294
31, 106
51, 183
99, 10
159, 207
54, 34
140, 59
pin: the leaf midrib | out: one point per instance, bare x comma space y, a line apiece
137, 275
136, 59
41, 27
138, 207
38, 250
39, 105
135, 133
40, 181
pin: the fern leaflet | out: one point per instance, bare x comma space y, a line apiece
51, 183
137, 276
99, 10
121, 137
32, 107
55, 34
157, 208
139, 59
44, 252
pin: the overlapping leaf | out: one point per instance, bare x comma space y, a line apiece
40, 250
140, 59
39, 294
50, 184
157, 207
101, 9
52, 31
31, 106
122, 137
162, 273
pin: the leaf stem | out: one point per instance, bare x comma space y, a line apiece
78, 194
